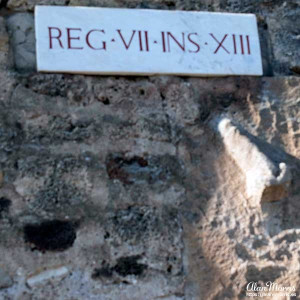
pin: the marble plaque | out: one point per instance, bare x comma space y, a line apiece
145, 42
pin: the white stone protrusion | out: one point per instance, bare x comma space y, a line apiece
47, 275
266, 180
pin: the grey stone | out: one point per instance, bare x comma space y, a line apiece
5, 280
4, 45
284, 31
21, 30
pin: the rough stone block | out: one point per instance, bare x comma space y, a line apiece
4, 44
284, 30
5, 280
21, 30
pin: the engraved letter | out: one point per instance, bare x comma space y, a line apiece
54, 37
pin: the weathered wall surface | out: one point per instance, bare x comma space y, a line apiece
149, 187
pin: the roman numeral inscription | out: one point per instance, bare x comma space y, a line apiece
145, 42
235, 47
167, 38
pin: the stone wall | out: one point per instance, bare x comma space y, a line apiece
158, 187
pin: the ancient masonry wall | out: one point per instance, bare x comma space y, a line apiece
157, 187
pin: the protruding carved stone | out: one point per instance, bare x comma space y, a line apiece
266, 180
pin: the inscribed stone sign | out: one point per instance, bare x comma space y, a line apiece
146, 42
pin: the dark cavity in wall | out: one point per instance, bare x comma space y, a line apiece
105, 271
296, 69
127, 265
138, 170
118, 167
3, 3
4, 205
50, 235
